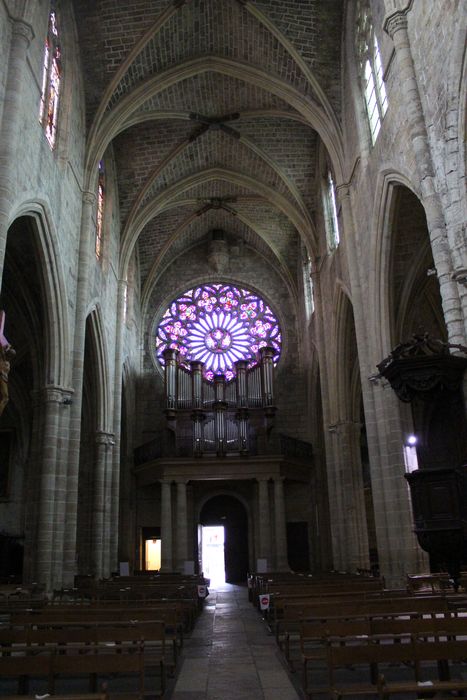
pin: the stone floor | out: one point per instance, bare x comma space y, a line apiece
231, 655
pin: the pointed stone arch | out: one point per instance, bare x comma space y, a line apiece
47, 254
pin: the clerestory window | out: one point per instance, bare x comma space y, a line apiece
330, 211
51, 80
100, 211
371, 71
307, 285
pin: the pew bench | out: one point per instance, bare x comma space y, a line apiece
90, 649
68, 696
376, 666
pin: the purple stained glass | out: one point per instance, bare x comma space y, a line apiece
218, 325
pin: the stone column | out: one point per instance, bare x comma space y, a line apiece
264, 520
282, 563
166, 526
356, 552
82, 296
21, 36
117, 419
181, 525
397, 548
396, 25
51, 400
101, 506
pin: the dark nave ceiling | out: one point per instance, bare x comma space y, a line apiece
213, 109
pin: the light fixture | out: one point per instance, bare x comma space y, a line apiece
412, 440
374, 378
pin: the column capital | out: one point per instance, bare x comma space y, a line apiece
89, 197
181, 482
395, 22
22, 29
105, 438
343, 191
52, 394
261, 479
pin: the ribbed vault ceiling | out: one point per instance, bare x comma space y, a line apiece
214, 110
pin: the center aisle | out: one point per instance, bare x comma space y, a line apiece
231, 655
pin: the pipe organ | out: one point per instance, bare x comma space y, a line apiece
222, 415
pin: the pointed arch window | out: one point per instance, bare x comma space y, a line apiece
330, 211
51, 80
307, 285
100, 211
371, 70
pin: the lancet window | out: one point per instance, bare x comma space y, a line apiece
307, 285
100, 211
371, 71
51, 80
218, 324
330, 212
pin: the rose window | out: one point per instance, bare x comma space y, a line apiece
218, 324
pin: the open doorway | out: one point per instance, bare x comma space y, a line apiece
150, 548
213, 560
152, 554
228, 513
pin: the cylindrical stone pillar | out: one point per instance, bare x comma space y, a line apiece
282, 563
264, 521
181, 526
166, 526
51, 398
101, 520
82, 295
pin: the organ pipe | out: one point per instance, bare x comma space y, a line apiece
267, 376
241, 386
170, 380
219, 414
196, 384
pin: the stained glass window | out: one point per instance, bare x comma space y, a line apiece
374, 89
51, 77
218, 324
330, 212
100, 210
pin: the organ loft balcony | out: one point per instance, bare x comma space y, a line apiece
222, 430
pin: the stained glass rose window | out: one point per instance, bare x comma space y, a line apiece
218, 324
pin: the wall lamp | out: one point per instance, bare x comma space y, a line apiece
374, 378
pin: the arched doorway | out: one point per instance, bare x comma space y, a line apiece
228, 512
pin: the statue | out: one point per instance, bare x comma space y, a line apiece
7, 353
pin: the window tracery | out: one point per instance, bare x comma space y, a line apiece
51, 80
330, 212
218, 324
371, 70
100, 210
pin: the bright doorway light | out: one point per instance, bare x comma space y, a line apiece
153, 555
213, 554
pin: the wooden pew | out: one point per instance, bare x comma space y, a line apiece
71, 696
378, 659
123, 655
79, 633
317, 636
